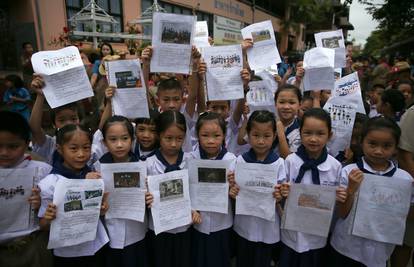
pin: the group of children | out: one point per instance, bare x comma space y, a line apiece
180, 128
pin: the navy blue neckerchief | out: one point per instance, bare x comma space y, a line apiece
295, 125
203, 153
250, 157
170, 167
142, 157
360, 165
59, 168
310, 164
341, 156
107, 158
56, 157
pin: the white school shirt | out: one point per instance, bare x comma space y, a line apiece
329, 175
155, 167
213, 221
369, 252
232, 132
256, 229
293, 138
42, 170
123, 232
47, 187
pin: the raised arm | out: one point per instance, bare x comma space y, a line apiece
35, 122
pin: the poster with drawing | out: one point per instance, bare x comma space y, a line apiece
260, 96
333, 40
381, 208
348, 90
319, 64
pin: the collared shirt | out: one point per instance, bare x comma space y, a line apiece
256, 229
369, 252
294, 140
329, 175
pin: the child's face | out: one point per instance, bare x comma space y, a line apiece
9, 84
211, 137
261, 137
406, 90
220, 107
12, 149
171, 140
65, 117
379, 146
306, 104
375, 95
118, 141
315, 135
287, 105
76, 151
325, 95
170, 99
146, 135
106, 50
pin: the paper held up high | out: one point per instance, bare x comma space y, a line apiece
201, 34
348, 89
264, 52
172, 40
260, 96
65, 76
333, 40
319, 69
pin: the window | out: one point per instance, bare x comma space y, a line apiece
112, 7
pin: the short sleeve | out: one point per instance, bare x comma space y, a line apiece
407, 128
95, 69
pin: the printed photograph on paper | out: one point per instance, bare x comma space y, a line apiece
93, 193
211, 175
73, 205
228, 61
176, 32
12, 192
311, 201
171, 189
331, 42
126, 179
127, 79
261, 35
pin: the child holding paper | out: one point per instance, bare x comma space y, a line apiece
380, 138
256, 237
74, 146
211, 238
27, 247
310, 164
171, 248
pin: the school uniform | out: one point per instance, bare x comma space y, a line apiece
127, 246
210, 243
142, 155
170, 248
257, 236
27, 247
301, 249
365, 251
85, 254
292, 133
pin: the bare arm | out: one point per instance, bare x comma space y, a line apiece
406, 162
194, 84
201, 99
35, 122
107, 113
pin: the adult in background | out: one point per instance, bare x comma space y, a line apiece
27, 68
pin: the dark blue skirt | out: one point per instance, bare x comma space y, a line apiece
338, 260
291, 258
253, 254
97, 260
134, 255
211, 250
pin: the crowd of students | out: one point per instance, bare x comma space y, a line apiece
183, 125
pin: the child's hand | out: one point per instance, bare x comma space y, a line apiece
109, 92
234, 191
149, 199
195, 54
341, 194
202, 68
277, 193
280, 128
105, 204
230, 179
146, 55
93, 175
355, 178
245, 75
247, 43
246, 111
50, 213
349, 154
34, 199
284, 189
196, 217
37, 84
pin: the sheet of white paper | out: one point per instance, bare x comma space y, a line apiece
78, 203
264, 52
224, 64
65, 76
256, 182
15, 189
267, 75
309, 209
319, 57
382, 208
125, 183
201, 34
130, 99
333, 40
349, 90
209, 189
338, 73
260, 96
319, 69
172, 40
171, 207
